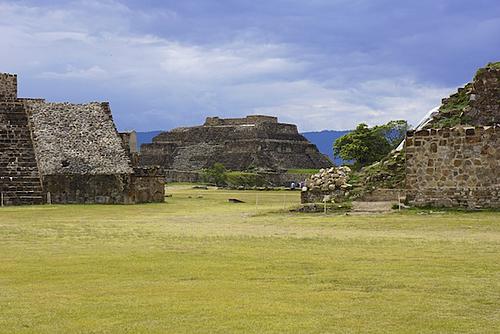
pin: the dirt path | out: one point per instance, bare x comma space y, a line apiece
371, 207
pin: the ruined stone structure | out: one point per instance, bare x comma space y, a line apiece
475, 104
459, 166
20, 181
254, 142
66, 153
328, 185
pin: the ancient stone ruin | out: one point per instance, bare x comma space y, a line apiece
453, 160
459, 166
253, 142
67, 153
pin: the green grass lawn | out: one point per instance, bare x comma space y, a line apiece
198, 264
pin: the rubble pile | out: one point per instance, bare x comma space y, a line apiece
328, 185
331, 179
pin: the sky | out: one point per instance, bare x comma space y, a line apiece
321, 64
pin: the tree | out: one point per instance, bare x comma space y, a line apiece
367, 145
217, 174
394, 131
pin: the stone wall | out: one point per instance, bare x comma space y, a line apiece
148, 186
88, 189
77, 139
144, 186
129, 141
457, 167
8, 87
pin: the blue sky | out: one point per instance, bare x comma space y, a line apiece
319, 64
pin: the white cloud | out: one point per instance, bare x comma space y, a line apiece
87, 46
94, 72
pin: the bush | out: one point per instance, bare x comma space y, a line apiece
245, 179
217, 175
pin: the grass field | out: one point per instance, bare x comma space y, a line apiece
198, 264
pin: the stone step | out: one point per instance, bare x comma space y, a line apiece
19, 175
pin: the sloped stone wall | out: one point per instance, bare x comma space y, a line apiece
457, 167
77, 139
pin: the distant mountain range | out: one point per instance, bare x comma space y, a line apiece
322, 139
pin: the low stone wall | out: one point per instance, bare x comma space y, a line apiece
88, 189
144, 186
148, 186
458, 167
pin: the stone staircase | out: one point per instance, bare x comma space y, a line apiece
19, 175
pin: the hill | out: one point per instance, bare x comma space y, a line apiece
324, 141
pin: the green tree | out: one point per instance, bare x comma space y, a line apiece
367, 145
394, 131
217, 174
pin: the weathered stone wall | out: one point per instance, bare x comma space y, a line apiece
158, 154
87, 189
129, 141
148, 186
144, 186
8, 87
457, 167
78, 139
